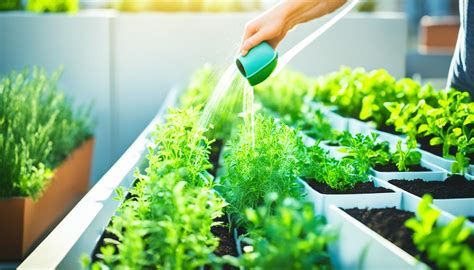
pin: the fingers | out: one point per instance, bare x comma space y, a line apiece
252, 41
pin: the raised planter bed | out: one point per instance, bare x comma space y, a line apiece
28, 221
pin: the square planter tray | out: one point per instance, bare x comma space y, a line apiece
322, 201
28, 221
443, 163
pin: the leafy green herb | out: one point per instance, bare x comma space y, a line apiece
181, 147
337, 174
290, 237
38, 130
271, 166
406, 158
166, 222
444, 245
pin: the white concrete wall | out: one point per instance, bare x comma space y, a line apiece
127, 62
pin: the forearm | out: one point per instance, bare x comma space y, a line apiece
301, 11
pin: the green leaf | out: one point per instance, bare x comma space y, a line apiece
436, 141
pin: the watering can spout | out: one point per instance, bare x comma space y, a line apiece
258, 64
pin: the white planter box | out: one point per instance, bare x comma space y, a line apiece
356, 126
436, 173
374, 200
334, 151
359, 247
455, 207
338, 122
444, 163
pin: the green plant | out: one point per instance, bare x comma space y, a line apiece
272, 165
38, 130
288, 237
167, 224
450, 124
284, 94
53, 5
166, 221
408, 157
337, 174
181, 147
366, 151
444, 245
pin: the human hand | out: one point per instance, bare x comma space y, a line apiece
273, 25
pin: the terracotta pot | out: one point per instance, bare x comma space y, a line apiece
25, 222
438, 35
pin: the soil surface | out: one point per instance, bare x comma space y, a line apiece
333, 143
389, 129
216, 148
227, 244
389, 223
393, 168
455, 186
360, 188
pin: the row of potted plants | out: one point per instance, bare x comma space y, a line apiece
265, 186
45, 157
440, 121
366, 150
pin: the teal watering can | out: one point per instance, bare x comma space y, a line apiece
258, 64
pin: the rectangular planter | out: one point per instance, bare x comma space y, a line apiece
443, 163
356, 126
436, 173
28, 221
323, 201
359, 247
455, 207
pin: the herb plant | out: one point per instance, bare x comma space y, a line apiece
38, 130
10, 5
181, 147
166, 221
406, 158
272, 165
337, 174
290, 237
444, 245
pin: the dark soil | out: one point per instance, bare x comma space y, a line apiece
216, 148
455, 186
471, 218
389, 223
389, 129
224, 233
333, 143
438, 149
393, 168
360, 188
